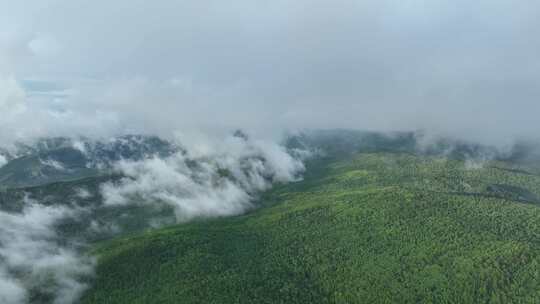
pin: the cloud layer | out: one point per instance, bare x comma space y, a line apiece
34, 265
43, 246
213, 178
456, 67
101, 68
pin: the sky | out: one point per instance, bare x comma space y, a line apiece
467, 69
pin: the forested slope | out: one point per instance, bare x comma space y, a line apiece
370, 228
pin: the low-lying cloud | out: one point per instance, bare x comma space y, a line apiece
463, 69
35, 265
209, 179
3, 161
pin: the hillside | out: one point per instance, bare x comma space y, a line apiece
60, 159
367, 228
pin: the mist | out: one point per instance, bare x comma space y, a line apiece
193, 72
45, 236
211, 179
35, 266
462, 69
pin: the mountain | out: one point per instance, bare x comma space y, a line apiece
377, 218
63, 159
373, 227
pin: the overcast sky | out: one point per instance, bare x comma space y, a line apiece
464, 68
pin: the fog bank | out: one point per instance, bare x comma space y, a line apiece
457, 68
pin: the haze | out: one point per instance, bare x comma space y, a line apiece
98, 68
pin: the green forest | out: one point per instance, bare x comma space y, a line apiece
366, 228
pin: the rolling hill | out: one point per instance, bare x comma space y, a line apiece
60, 159
376, 219
364, 228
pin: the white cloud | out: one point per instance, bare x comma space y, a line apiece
11, 292
53, 164
12, 98
32, 259
466, 69
214, 178
45, 46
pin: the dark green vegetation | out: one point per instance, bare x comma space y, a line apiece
365, 228
33, 170
62, 159
379, 219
